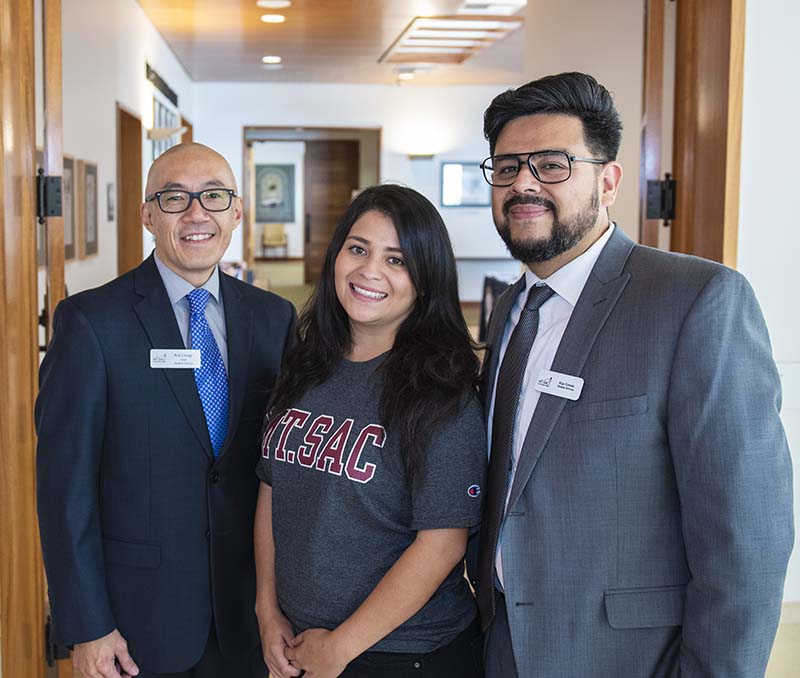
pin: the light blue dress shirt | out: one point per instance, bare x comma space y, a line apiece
178, 288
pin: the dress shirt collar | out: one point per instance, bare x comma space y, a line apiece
178, 288
568, 281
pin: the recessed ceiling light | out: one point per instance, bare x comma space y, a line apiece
405, 75
271, 59
273, 18
274, 4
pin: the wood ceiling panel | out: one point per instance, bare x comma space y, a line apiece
320, 41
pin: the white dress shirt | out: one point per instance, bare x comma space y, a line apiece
567, 283
178, 288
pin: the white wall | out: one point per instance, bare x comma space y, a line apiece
769, 235
605, 39
285, 153
105, 47
445, 121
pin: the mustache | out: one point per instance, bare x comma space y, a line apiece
527, 200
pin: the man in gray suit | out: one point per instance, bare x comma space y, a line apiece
639, 504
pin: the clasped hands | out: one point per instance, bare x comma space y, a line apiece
314, 653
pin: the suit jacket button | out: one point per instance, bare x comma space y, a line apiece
214, 477
208, 534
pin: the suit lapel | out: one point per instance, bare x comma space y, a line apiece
494, 337
600, 294
158, 319
239, 326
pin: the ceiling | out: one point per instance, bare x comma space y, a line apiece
320, 41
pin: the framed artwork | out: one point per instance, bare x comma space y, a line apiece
275, 193
41, 229
463, 185
87, 245
68, 206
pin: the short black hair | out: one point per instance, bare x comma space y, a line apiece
576, 94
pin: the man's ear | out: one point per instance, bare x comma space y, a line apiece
238, 211
611, 178
144, 212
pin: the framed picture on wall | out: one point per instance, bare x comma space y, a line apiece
88, 240
68, 206
275, 193
463, 185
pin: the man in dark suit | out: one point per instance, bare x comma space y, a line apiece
639, 503
152, 395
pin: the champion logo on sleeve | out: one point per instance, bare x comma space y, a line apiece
474, 491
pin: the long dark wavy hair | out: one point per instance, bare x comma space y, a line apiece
432, 367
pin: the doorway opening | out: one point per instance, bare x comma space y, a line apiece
297, 184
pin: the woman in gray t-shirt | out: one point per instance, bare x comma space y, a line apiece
373, 461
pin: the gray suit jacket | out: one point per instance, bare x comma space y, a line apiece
650, 521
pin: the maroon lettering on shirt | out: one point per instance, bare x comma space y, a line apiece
293, 418
323, 445
307, 454
363, 474
330, 459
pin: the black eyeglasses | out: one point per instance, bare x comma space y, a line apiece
211, 200
549, 167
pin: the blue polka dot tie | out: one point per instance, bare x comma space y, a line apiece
212, 382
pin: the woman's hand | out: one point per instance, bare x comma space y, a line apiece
318, 653
276, 637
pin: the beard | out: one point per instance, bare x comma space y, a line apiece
564, 235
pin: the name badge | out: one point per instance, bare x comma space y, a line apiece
175, 358
558, 384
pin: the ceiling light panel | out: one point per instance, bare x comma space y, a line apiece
448, 39
274, 4
499, 7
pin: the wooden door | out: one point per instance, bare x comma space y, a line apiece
130, 247
708, 128
188, 136
652, 116
21, 576
331, 176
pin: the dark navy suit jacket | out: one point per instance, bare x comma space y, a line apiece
142, 529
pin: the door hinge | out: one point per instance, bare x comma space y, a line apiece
661, 199
52, 651
48, 196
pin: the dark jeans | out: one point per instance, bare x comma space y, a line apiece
213, 665
461, 658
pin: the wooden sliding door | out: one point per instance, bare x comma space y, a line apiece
21, 579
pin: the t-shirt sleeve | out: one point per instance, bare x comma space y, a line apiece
450, 491
264, 467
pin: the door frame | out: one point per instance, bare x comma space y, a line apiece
22, 597
129, 192
257, 133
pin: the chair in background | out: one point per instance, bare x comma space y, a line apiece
273, 236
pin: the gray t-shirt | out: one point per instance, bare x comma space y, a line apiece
343, 513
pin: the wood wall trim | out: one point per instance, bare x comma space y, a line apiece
734, 140
652, 108
21, 574
129, 189
53, 151
248, 206
707, 147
